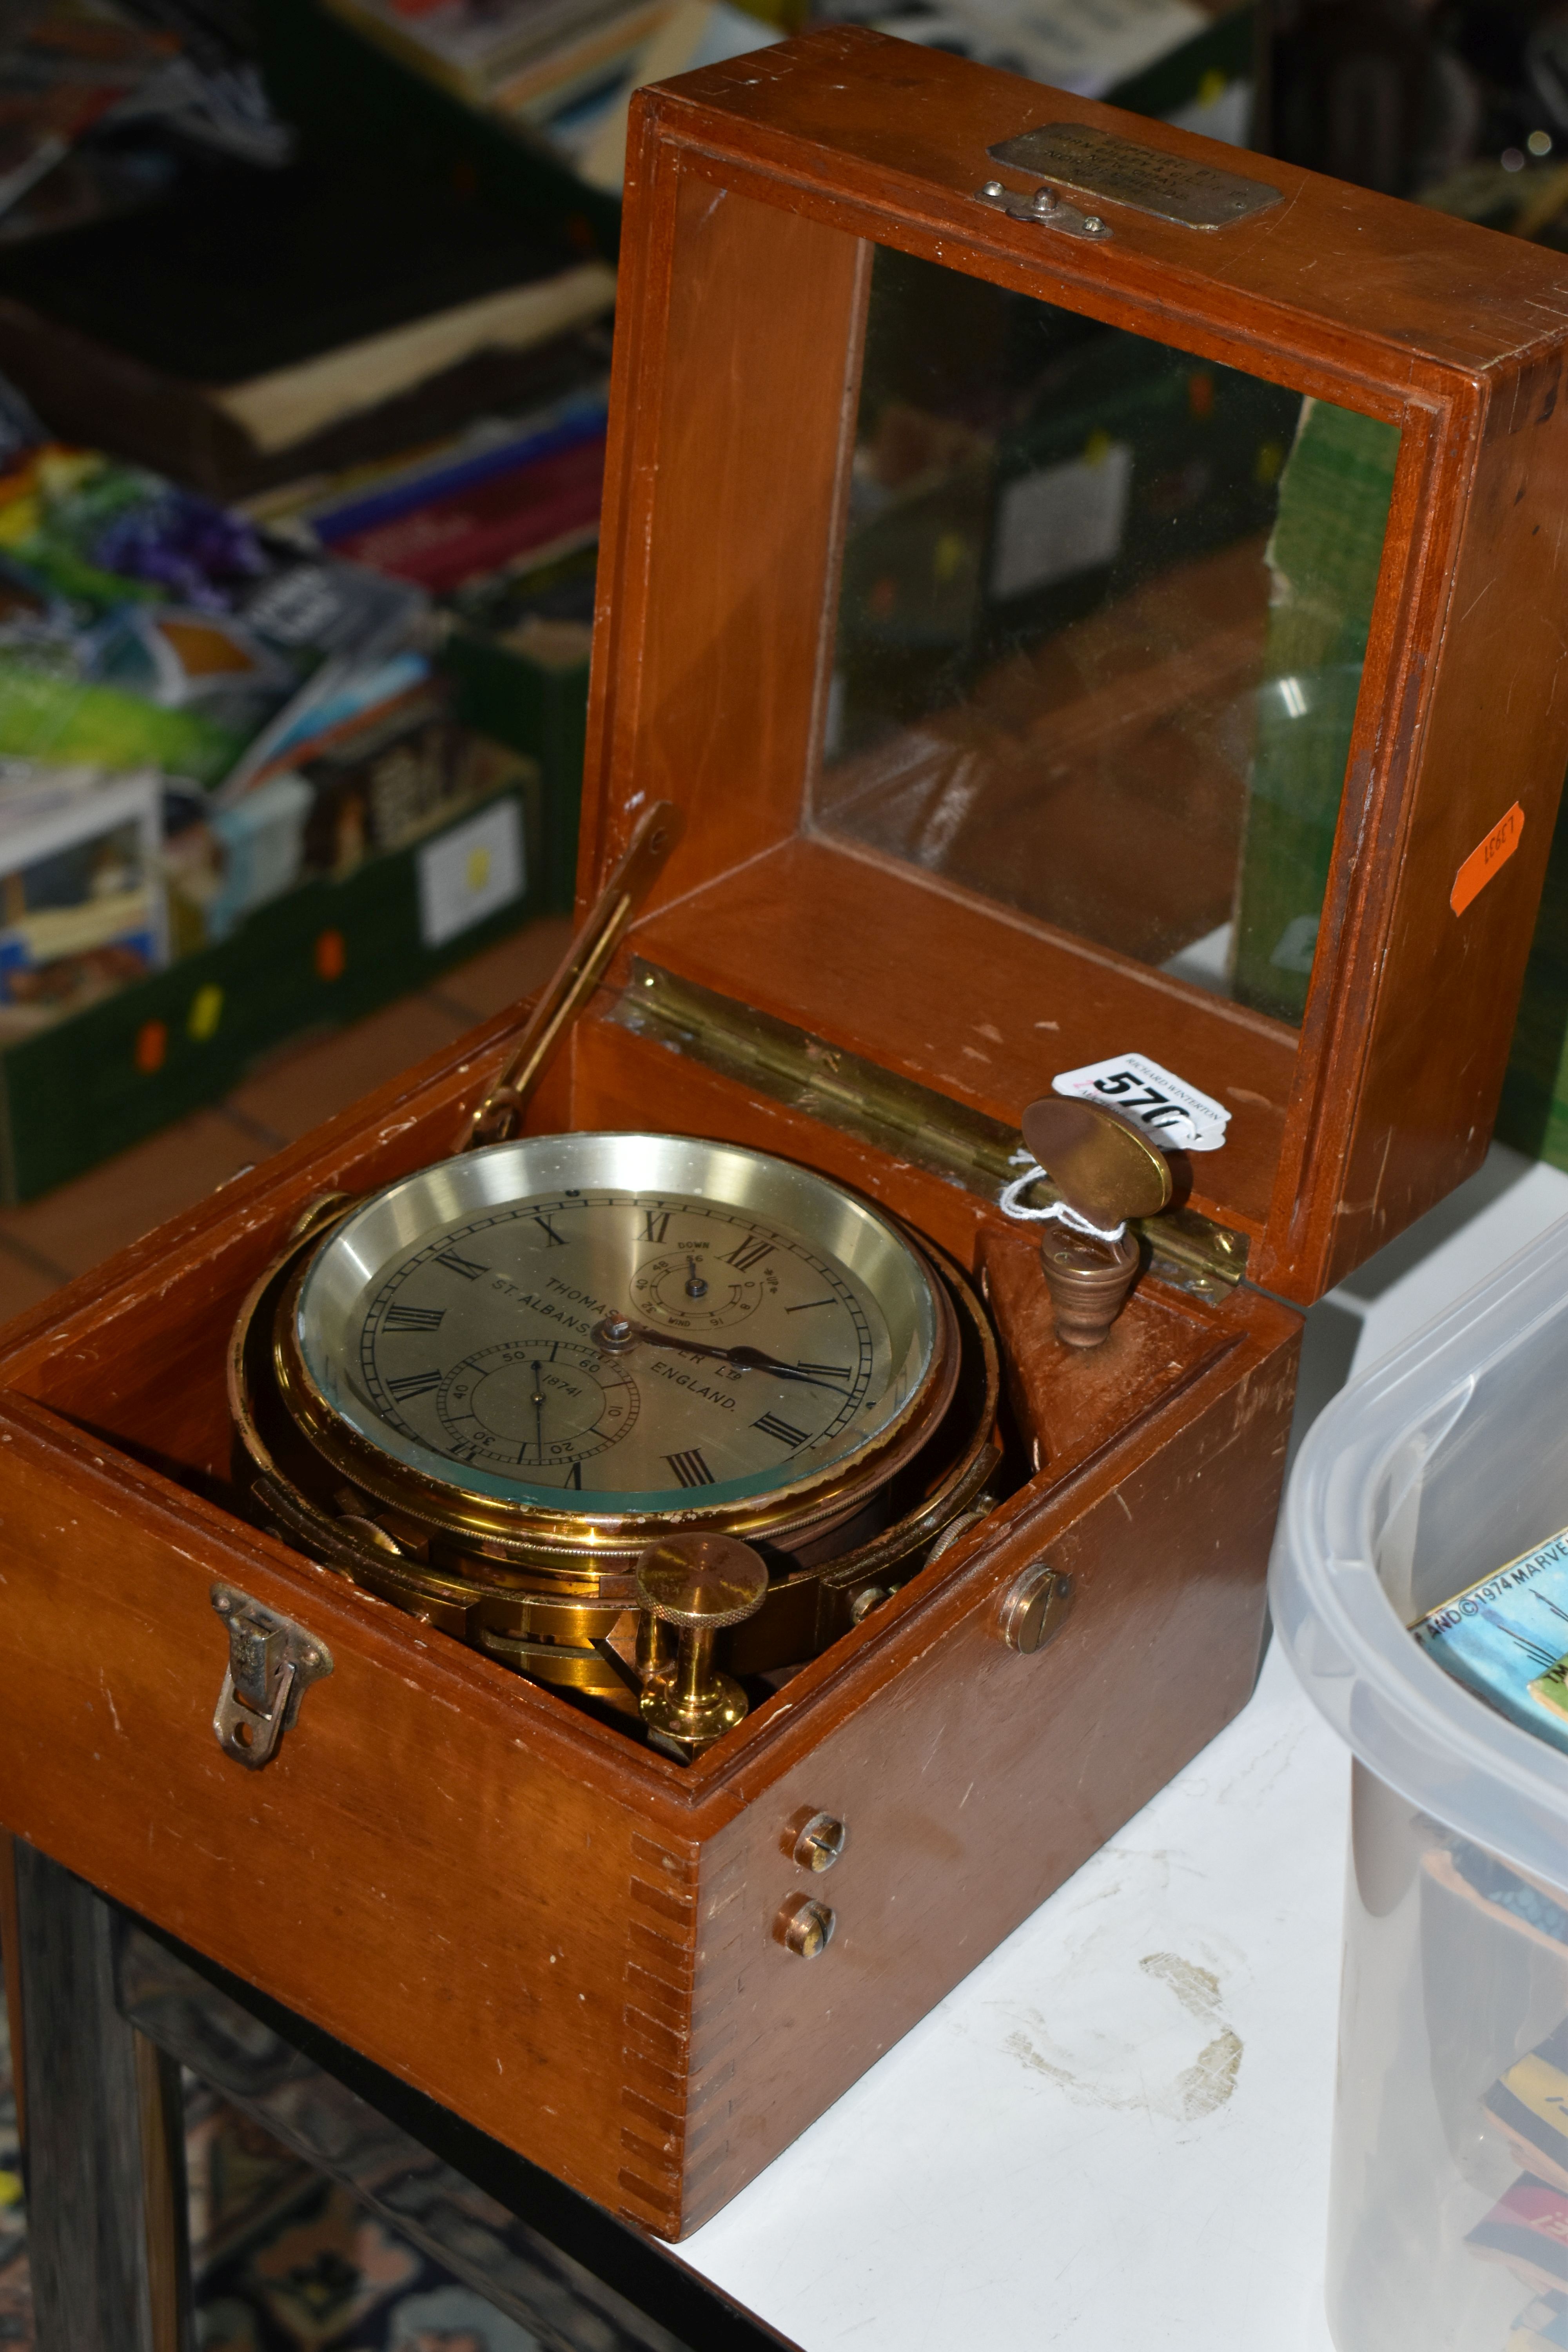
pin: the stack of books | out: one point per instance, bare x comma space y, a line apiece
1506, 1640
1086, 45
195, 714
527, 58
141, 624
1526, 2109
508, 493
559, 70
261, 326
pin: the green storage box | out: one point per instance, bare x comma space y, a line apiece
1533, 1114
532, 697
326, 952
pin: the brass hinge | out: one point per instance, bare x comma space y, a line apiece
895, 1115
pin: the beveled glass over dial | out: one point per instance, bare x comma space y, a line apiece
615, 1323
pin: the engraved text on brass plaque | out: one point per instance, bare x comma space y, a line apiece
1146, 179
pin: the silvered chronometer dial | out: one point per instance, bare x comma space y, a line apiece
588, 1327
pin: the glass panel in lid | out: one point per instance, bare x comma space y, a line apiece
1102, 614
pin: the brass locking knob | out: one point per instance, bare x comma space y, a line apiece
805, 1927
1034, 1608
697, 1585
819, 1842
1107, 1170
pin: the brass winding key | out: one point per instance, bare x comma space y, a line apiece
696, 1584
1108, 1170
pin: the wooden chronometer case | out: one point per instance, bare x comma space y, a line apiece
566, 1937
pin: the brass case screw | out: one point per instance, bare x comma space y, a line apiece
820, 1843
805, 1927
1034, 1608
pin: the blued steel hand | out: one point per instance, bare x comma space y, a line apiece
538, 1370
747, 1359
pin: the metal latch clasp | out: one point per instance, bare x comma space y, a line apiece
1044, 209
271, 1662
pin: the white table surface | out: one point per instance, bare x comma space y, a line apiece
1113, 2137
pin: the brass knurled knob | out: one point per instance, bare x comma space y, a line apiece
698, 1585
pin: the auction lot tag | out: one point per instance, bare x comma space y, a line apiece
1488, 857
1177, 1117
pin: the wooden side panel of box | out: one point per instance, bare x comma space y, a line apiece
976, 1781
435, 1866
1492, 753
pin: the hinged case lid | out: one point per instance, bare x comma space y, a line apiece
1093, 592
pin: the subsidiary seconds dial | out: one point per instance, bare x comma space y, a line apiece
544, 1403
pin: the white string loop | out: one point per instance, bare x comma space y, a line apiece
1012, 1206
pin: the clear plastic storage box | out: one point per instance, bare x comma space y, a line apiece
1448, 2227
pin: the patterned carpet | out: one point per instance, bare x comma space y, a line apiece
15, 2297
284, 2260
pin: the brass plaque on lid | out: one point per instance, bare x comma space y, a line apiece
1146, 179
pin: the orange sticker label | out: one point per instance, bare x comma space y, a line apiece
1486, 859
